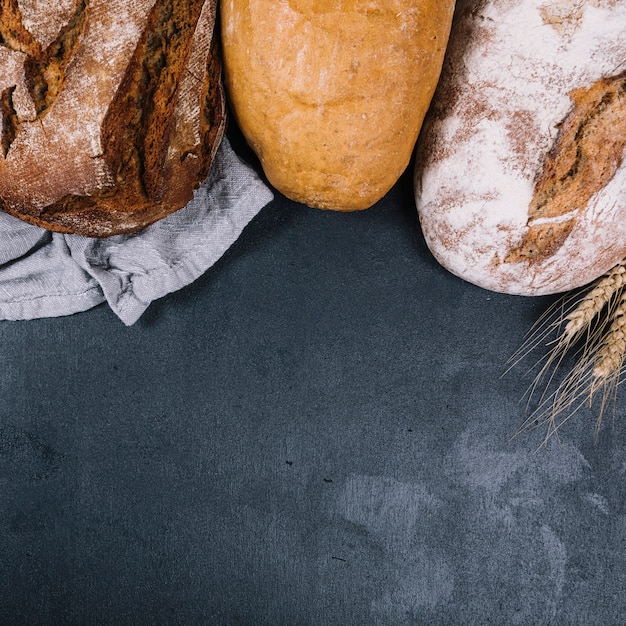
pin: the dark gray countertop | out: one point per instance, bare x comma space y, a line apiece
316, 432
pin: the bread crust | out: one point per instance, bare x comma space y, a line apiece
331, 95
520, 178
111, 110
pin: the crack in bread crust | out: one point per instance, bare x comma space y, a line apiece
13, 34
10, 121
588, 151
144, 105
45, 72
541, 241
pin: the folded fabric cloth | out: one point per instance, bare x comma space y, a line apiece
46, 274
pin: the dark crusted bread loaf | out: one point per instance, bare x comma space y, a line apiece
110, 110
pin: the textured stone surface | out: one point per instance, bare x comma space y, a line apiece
316, 432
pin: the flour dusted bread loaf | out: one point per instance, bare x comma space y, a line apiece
331, 94
110, 110
520, 176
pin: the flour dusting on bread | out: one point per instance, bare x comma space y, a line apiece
525, 86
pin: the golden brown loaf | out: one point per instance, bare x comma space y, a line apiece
331, 95
110, 110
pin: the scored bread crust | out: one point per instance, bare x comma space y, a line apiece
111, 111
520, 176
331, 95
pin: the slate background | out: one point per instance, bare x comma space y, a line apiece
316, 432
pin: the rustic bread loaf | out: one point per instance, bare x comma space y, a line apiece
110, 110
520, 177
331, 95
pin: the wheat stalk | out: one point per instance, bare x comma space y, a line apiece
594, 302
610, 355
597, 320
609, 358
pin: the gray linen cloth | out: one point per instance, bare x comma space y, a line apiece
46, 274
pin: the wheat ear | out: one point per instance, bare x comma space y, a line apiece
598, 321
609, 358
591, 305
